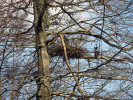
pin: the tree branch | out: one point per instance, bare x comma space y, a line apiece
76, 80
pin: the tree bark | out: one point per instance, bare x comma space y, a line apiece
41, 23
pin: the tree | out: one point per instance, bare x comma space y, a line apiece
37, 63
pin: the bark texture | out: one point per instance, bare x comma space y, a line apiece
40, 19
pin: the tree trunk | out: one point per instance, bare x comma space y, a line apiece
40, 19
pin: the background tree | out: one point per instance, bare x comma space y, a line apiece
36, 62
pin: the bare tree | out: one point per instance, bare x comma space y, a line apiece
66, 49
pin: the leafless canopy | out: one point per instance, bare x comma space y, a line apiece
67, 49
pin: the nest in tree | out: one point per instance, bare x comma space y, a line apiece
72, 52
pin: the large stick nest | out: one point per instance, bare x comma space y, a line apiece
72, 52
